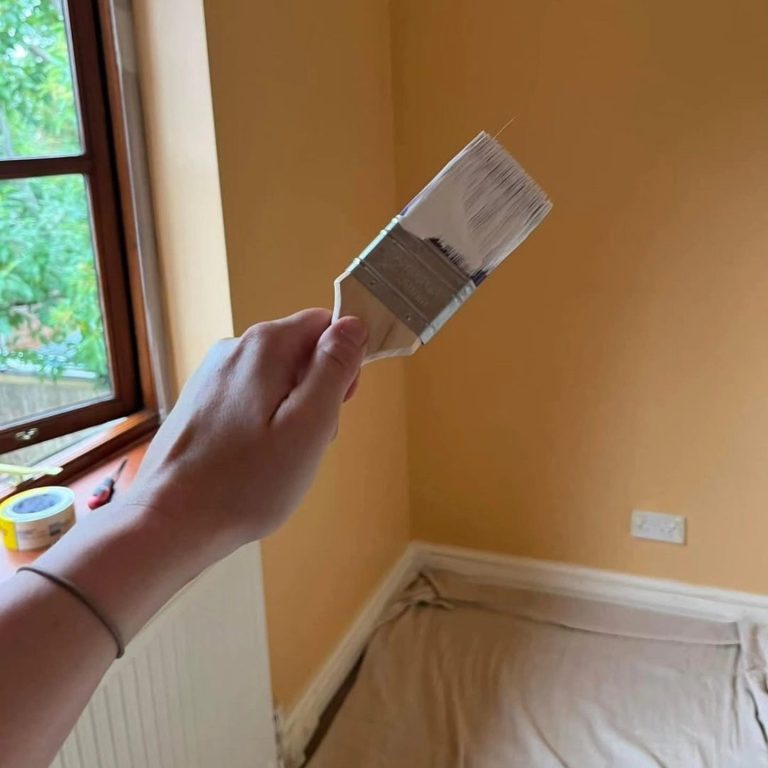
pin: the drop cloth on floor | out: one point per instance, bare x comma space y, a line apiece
475, 676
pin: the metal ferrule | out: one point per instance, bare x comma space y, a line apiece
413, 279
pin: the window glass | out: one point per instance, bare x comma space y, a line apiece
38, 112
52, 347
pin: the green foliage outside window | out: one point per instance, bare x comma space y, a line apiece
50, 313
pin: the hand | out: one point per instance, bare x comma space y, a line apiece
240, 449
230, 463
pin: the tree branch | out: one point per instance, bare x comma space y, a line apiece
43, 54
5, 135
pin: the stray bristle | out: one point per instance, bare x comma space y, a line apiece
478, 209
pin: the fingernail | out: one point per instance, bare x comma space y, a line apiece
354, 329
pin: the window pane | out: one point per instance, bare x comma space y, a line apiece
52, 347
38, 113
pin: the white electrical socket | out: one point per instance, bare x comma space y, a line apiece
658, 526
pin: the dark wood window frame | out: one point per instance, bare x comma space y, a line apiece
105, 165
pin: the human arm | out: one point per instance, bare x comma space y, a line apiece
253, 421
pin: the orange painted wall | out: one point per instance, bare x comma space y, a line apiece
619, 359
303, 113
181, 145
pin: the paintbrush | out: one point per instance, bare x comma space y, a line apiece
431, 257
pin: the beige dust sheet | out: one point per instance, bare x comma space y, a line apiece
474, 676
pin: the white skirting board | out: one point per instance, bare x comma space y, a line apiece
300, 724
579, 581
505, 570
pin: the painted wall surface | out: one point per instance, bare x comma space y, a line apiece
619, 359
184, 175
303, 113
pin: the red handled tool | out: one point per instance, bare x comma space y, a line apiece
105, 490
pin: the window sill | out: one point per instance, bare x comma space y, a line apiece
81, 457
83, 487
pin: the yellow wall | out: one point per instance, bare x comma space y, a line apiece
303, 114
184, 176
620, 359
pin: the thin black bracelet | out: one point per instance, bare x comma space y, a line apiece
73, 590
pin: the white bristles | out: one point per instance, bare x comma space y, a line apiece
479, 208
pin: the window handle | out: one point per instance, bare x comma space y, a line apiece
25, 435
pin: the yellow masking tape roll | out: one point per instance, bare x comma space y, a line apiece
36, 518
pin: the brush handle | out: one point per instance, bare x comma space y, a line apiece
387, 336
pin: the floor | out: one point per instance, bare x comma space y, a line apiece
473, 675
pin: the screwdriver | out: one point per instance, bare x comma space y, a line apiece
105, 490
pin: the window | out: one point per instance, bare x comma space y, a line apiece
71, 355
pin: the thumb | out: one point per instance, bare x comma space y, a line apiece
333, 369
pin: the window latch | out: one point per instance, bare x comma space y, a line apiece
25, 435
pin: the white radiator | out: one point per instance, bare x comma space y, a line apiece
192, 690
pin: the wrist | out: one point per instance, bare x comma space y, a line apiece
189, 532
128, 559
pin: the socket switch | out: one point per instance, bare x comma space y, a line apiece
658, 526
